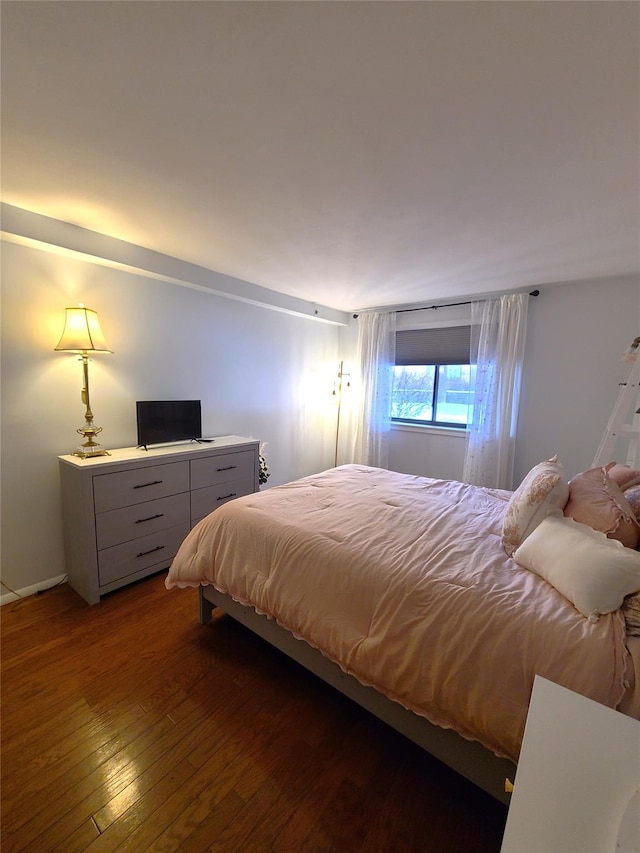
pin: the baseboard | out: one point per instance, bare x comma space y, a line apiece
26, 591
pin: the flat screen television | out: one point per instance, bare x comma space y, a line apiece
165, 421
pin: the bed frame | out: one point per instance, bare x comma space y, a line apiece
468, 758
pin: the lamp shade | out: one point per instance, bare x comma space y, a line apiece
82, 332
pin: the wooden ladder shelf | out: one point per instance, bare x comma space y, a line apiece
624, 423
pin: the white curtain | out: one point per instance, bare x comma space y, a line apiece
498, 333
376, 358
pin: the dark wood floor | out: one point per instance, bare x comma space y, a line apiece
128, 726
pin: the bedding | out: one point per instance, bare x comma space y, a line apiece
593, 572
597, 501
543, 489
403, 581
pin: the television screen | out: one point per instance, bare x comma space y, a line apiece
162, 421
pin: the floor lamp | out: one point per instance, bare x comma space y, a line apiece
337, 391
82, 334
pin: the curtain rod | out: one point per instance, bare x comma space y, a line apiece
445, 305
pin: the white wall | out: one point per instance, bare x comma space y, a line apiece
259, 373
576, 335
435, 453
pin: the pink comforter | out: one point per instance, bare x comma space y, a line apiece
403, 582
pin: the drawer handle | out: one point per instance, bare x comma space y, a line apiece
228, 468
144, 553
225, 497
144, 485
151, 517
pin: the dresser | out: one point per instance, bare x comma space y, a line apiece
125, 514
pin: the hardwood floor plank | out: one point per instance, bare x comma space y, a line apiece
80, 839
194, 729
72, 754
130, 726
47, 820
230, 767
26, 744
165, 743
120, 833
332, 765
220, 816
178, 831
226, 746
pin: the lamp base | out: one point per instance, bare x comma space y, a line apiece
85, 452
90, 447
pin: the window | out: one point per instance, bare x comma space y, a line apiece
432, 378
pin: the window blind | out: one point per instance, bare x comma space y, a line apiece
433, 346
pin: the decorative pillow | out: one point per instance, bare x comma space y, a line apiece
631, 612
623, 476
543, 489
632, 496
595, 500
594, 573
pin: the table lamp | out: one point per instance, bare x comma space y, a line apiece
82, 334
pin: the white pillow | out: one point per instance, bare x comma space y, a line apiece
594, 573
544, 488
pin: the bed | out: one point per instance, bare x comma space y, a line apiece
398, 590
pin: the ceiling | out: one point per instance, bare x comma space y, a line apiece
354, 154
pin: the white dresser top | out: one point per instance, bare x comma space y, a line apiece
160, 451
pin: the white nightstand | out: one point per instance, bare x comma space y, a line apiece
579, 770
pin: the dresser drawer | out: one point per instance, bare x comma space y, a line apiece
131, 557
204, 501
124, 488
132, 522
222, 469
